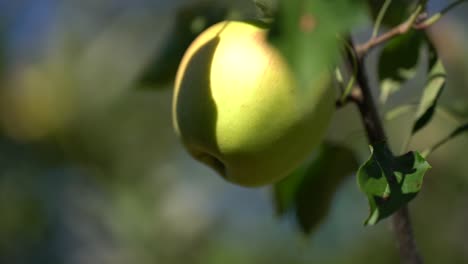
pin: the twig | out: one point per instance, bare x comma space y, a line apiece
403, 28
380, 17
361, 95
417, 21
367, 109
375, 134
434, 18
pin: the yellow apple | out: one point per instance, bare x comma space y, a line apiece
238, 108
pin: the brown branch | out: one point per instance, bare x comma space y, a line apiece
361, 95
417, 23
355, 96
369, 114
376, 134
401, 223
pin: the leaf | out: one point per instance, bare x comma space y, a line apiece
285, 191
398, 11
3, 56
398, 111
189, 22
306, 33
386, 196
308, 191
461, 129
398, 62
456, 132
432, 91
266, 8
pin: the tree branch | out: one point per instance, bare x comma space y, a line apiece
376, 134
361, 95
401, 223
401, 29
417, 21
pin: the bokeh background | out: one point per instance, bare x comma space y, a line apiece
92, 172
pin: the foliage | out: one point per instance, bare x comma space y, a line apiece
308, 191
385, 195
109, 183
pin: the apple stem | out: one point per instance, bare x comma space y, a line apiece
362, 97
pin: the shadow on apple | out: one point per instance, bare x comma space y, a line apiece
196, 109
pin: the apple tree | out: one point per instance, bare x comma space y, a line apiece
255, 94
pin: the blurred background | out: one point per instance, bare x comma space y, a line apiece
92, 172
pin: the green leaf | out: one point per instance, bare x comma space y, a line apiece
432, 91
398, 62
190, 21
285, 191
398, 111
2, 50
459, 130
266, 8
456, 132
385, 195
307, 34
308, 191
398, 11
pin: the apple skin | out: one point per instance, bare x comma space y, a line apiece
237, 107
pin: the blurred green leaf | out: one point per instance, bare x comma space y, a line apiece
308, 191
22, 211
23, 169
2, 51
285, 190
386, 197
459, 130
190, 21
432, 91
398, 111
456, 132
397, 12
307, 34
398, 62
266, 8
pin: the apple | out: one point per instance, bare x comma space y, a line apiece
237, 106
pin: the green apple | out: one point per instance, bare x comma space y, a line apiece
237, 106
